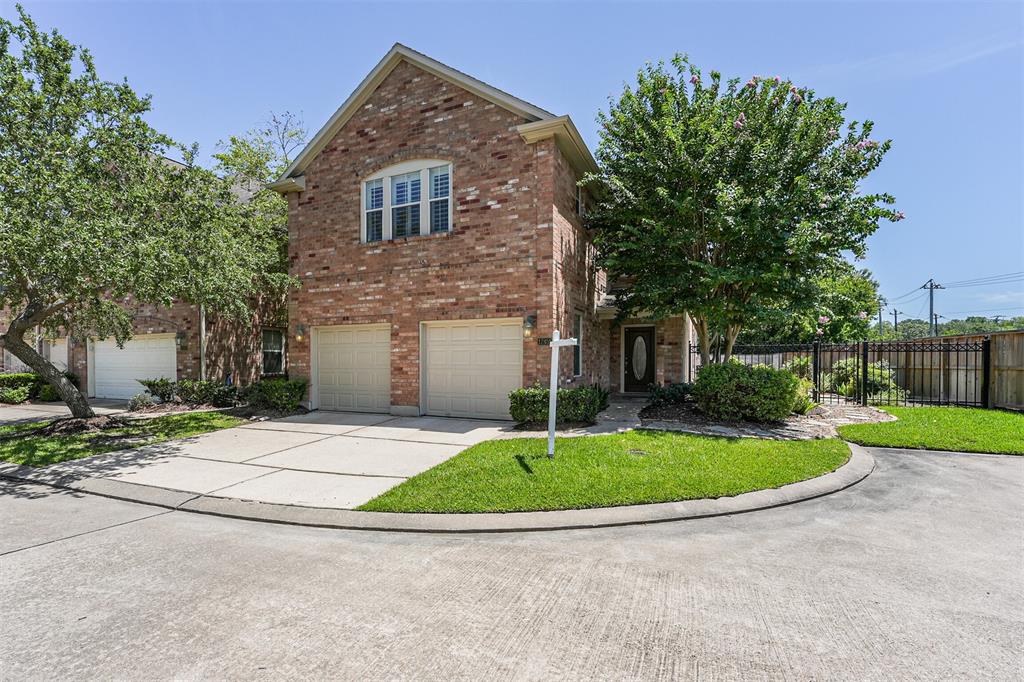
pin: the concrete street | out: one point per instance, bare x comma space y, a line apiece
916, 572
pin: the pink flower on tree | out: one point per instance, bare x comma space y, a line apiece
694, 80
819, 331
777, 80
862, 315
752, 83
740, 121
899, 215
824, 319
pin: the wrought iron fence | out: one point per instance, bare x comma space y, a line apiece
925, 372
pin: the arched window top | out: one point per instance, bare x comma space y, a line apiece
407, 199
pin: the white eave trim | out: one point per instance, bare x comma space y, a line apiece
385, 66
286, 185
567, 137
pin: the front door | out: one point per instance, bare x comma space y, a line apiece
638, 359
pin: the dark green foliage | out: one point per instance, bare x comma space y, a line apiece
845, 378
733, 391
48, 394
285, 395
161, 389
29, 380
14, 394
196, 392
580, 404
670, 394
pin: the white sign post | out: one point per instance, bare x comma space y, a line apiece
556, 342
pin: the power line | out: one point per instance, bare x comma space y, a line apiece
984, 310
978, 279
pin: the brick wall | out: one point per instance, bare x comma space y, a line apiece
495, 263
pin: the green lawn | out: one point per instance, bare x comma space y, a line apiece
959, 429
40, 451
602, 471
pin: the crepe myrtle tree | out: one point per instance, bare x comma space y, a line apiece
722, 198
93, 215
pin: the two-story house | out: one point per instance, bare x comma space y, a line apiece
435, 225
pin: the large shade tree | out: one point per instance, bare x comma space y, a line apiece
93, 214
722, 199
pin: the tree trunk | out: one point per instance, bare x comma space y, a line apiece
731, 332
65, 389
700, 323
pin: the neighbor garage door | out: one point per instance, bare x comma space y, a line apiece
354, 367
469, 367
117, 370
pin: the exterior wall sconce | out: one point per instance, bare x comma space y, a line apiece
529, 324
300, 332
181, 340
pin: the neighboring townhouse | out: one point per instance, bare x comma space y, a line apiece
181, 341
435, 225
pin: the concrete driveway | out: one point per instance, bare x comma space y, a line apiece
322, 459
31, 412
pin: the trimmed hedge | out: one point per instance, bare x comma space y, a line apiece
162, 389
20, 379
205, 392
12, 395
733, 391
285, 395
580, 404
670, 394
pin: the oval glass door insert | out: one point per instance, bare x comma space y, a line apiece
639, 358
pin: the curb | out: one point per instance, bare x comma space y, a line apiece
856, 469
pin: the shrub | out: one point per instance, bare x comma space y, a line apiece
734, 391
29, 380
48, 394
13, 395
845, 375
804, 403
285, 395
139, 401
800, 366
201, 392
580, 404
670, 394
161, 389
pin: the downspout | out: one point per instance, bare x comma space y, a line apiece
202, 343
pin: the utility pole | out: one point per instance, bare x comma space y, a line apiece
896, 323
931, 285
935, 323
880, 319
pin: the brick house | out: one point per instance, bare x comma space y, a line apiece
435, 225
180, 341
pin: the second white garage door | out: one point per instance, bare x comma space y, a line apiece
470, 367
117, 370
354, 367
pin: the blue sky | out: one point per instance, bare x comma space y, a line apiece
943, 80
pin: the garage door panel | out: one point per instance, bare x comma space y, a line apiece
118, 370
471, 366
354, 368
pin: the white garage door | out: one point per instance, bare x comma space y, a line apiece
117, 370
354, 367
59, 354
470, 367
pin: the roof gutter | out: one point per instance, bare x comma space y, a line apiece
286, 185
567, 137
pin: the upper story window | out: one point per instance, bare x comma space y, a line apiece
396, 205
580, 201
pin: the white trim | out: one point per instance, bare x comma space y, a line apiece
90, 368
622, 351
567, 137
314, 371
385, 66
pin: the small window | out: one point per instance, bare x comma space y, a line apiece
375, 210
577, 350
580, 205
273, 351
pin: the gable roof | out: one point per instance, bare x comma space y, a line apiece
291, 180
